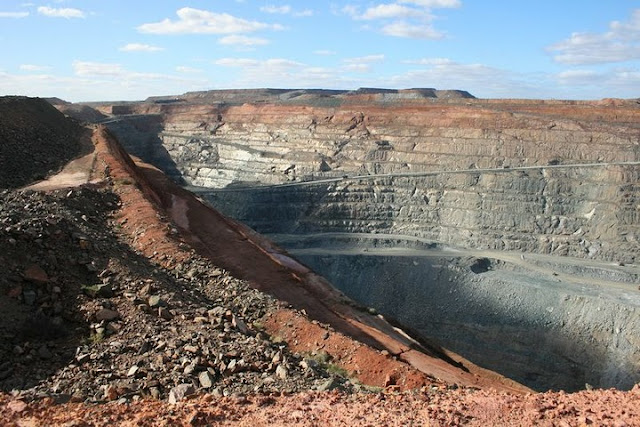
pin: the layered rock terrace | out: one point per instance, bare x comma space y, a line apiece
533, 176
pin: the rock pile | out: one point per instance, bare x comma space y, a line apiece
87, 318
35, 139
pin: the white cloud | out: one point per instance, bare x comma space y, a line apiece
276, 9
285, 10
304, 13
429, 61
244, 41
32, 67
324, 52
361, 64
620, 44
273, 63
570, 76
84, 68
99, 82
278, 72
479, 79
237, 62
393, 10
139, 47
357, 68
412, 31
187, 70
282, 63
64, 12
620, 82
364, 59
196, 21
434, 4
14, 14
350, 10
400, 20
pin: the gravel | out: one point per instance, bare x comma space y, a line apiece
87, 318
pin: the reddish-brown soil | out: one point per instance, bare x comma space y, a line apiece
435, 407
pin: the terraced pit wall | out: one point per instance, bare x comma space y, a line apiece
589, 211
556, 179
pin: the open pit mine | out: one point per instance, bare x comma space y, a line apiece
443, 259
504, 230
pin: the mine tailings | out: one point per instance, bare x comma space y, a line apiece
505, 231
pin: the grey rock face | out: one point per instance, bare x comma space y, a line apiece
473, 191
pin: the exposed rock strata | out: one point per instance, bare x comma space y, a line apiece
483, 200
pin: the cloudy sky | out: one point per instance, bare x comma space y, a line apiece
87, 50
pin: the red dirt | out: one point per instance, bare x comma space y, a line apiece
436, 408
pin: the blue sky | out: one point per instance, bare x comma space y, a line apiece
87, 50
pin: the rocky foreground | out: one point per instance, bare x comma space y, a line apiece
113, 312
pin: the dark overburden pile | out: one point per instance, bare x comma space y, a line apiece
35, 140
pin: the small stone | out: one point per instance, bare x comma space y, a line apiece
308, 364
282, 372
391, 379
44, 353
191, 348
330, 384
114, 327
81, 358
17, 406
77, 397
206, 380
34, 273
111, 393
15, 292
98, 291
132, 371
180, 392
164, 313
145, 290
155, 301
29, 297
240, 325
155, 392
106, 314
